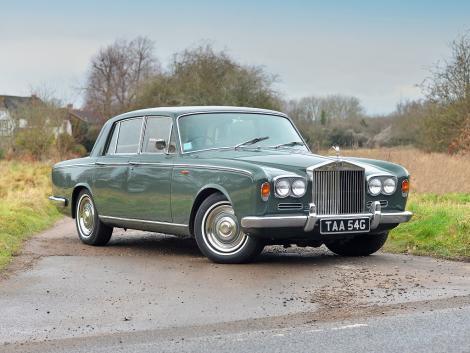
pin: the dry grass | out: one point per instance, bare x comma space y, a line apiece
436, 173
24, 207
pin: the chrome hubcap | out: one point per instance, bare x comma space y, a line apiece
86, 216
221, 230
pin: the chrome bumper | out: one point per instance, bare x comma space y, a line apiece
308, 222
58, 201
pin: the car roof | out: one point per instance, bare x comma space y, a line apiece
177, 111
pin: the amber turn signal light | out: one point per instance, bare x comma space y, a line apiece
265, 191
405, 186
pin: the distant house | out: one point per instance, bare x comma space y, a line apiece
7, 105
73, 118
85, 116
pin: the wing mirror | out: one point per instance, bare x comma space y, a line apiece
160, 144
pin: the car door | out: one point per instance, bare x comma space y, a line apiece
112, 168
149, 183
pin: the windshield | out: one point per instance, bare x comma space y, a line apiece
219, 130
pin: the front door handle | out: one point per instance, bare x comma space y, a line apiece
133, 163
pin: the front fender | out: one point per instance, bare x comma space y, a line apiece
240, 189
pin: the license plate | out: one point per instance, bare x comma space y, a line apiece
346, 225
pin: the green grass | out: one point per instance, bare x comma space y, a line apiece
440, 227
24, 208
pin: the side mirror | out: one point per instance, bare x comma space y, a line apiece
160, 144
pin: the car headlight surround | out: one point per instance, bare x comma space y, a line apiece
282, 188
374, 186
299, 188
389, 186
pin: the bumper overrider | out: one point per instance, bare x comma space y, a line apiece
307, 222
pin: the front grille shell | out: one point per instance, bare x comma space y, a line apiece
338, 188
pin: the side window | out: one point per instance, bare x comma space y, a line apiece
156, 130
129, 136
112, 143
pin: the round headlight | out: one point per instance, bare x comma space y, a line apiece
299, 188
389, 186
375, 186
282, 188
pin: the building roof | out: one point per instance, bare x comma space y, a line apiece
86, 116
13, 102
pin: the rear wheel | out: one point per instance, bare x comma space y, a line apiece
89, 227
359, 245
219, 235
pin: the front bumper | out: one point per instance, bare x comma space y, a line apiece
307, 222
58, 201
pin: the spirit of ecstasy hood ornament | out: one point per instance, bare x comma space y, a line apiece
336, 148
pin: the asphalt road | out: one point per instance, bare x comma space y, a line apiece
153, 293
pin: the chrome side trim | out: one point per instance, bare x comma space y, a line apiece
109, 218
75, 165
58, 201
111, 164
157, 164
227, 169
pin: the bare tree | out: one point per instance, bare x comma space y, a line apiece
116, 73
450, 80
320, 109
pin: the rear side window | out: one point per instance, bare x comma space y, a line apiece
129, 136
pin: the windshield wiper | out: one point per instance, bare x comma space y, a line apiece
252, 141
289, 144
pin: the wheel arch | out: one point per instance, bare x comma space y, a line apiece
203, 194
75, 192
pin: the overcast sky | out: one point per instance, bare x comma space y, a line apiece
375, 50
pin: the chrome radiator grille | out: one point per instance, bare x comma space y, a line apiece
338, 191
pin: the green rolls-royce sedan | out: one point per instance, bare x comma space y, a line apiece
234, 178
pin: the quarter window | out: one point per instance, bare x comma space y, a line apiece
129, 136
157, 129
112, 142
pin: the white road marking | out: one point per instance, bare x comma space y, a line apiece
317, 330
349, 326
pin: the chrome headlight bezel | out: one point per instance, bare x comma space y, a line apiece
300, 184
378, 186
387, 183
285, 182
288, 183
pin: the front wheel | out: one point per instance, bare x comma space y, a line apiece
219, 235
358, 245
90, 229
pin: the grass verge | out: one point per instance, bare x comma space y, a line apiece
440, 227
24, 207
